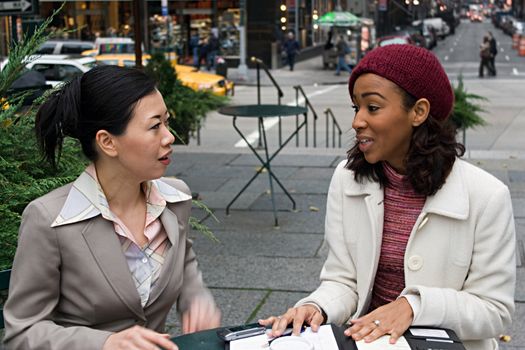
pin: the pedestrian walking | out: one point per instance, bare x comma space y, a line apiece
194, 48
342, 51
416, 236
213, 50
291, 48
493, 52
203, 52
485, 55
101, 261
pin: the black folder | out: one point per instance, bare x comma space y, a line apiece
415, 342
209, 340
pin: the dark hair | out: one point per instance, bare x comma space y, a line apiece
431, 154
101, 99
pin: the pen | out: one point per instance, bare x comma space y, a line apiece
286, 332
439, 340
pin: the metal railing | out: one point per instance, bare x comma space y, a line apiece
260, 64
335, 125
308, 105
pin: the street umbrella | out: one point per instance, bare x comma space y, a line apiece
338, 19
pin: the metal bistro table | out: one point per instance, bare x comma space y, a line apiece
261, 111
208, 340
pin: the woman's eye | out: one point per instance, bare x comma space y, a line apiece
355, 108
156, 126
372, 108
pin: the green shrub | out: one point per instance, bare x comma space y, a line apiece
188, 107
24, 175
466, 112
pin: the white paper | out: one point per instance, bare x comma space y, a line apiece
383, 343
259, 342
322, 340
427, 332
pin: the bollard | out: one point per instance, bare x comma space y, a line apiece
515, 40
521, 48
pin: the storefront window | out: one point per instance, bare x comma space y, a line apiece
228, 28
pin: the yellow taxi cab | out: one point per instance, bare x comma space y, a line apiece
122, 60
188, 75
197, 80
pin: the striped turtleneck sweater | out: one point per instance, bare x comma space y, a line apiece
402, 206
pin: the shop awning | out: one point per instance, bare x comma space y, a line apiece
338, 19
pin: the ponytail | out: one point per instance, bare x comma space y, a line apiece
101, 99
58, 117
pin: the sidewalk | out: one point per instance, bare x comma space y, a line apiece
257, 270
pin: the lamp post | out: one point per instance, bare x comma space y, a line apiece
242, 68
137, 28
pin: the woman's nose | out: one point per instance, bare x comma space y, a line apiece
358, 122
168, 137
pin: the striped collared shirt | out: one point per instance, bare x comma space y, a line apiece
86, 199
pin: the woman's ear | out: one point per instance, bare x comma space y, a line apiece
106, 143
421, 111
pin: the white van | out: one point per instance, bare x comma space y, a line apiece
442, 29
112, 45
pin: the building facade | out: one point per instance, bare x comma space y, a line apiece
169, 25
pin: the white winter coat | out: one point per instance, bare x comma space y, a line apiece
459, 259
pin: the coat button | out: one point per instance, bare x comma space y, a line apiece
415, 262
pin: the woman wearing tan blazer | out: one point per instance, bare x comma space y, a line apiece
101, 261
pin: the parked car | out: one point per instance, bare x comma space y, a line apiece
439, 25
112, 46
499, 16
394, 39
519, 28
428, 32
59, 68
188, 75
507, 24
122, 60
63, 47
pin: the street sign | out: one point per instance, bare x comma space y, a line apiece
164, 7
16, 7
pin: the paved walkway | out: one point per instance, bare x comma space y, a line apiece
258, 270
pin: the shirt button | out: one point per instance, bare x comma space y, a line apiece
144, 260
415, 262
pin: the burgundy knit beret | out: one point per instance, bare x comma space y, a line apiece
412, 68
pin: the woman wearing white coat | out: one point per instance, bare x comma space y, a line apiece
416, 235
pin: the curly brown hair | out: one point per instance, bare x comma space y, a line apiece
431, 155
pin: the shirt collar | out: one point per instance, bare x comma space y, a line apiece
86, 199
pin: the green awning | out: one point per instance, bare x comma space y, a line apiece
338, 19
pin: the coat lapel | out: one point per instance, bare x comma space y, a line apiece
107, 251
369, 236
171, 225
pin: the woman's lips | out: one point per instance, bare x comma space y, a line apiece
365, 144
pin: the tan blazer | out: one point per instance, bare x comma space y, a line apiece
71, 286
460, 261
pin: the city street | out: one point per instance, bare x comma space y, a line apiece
459, 54
257, 269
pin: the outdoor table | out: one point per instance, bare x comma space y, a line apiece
261, 111
208, 340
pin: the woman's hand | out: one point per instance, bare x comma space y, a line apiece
138, 338
308, 314
393, 318
202, 314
